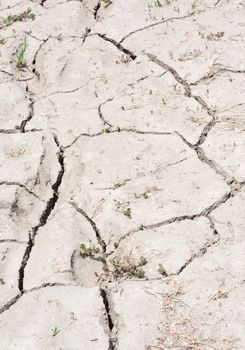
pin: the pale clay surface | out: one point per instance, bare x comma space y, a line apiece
123, 130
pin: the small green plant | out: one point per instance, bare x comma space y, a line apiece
143, 261
21, 55
106, 130
126, 267
10, 19
55, 331
162, 270
171, 54
175, 86
106, 2
2, 281
128, 212
158, 3
60, 153
88, 251
194, 5
219, 34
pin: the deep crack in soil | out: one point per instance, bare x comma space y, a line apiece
44, 217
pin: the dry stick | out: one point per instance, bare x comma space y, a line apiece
154, 25
118, 45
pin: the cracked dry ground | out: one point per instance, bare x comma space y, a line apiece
122, 131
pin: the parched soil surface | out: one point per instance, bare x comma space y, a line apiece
122, 174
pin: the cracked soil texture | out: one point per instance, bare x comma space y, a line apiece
122, 174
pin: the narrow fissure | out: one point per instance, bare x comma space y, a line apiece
205, 132
44, 217
103, 294
105, 122
30, 115
202, 251
96, 9
11, 302
112, 340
